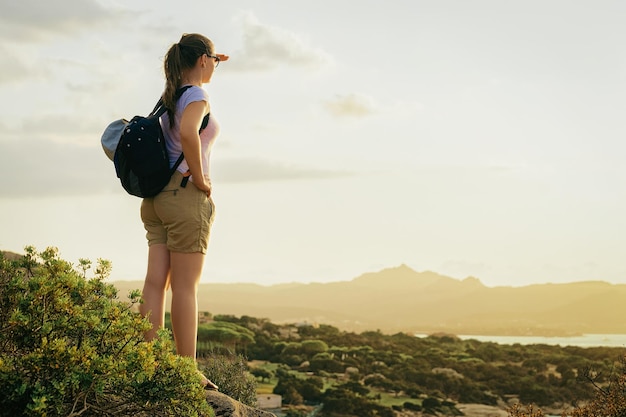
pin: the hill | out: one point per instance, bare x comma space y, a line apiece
401, 299
11, 256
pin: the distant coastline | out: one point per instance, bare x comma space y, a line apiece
584, 340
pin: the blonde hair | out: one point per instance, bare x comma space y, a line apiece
181, 56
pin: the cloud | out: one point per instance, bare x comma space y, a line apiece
44, 168
358, 105
64, 127
351, 105
12, 67
37, 167
73, 126
35, 19
253, 170
268, 47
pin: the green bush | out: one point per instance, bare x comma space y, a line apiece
230, 374
68, 347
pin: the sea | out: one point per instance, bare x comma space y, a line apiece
584, 340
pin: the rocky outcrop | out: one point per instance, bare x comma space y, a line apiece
224, 406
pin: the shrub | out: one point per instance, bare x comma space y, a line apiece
68, 347
230, 373
609, 399
412, 406
431, 403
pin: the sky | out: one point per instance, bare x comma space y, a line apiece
470, 138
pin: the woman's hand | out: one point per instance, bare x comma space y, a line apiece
205, 187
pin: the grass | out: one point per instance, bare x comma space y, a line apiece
265, 387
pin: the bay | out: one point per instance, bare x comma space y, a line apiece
585, 340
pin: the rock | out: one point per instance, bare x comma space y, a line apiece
224, 406
481, 410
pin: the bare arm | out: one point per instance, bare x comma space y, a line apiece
190, 141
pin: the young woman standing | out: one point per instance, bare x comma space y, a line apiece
178, 220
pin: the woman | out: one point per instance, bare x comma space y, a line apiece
178, 220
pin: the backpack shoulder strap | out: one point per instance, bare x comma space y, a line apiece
159, 108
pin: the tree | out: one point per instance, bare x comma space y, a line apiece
227, 334
309, 389
264, 374
326, 364
356, 388
343, 402
292, 396
431, 404
312, 347
68, 347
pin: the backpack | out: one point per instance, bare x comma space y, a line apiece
137, 148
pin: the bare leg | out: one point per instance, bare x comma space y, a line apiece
155, 287
186, 269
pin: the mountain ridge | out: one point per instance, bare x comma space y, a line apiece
400, 299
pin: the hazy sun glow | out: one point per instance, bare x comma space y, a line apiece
467, 138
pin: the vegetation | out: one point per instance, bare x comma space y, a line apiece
230, 373
373, 374
609, 399
68, 347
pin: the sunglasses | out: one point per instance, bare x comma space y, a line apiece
216, 58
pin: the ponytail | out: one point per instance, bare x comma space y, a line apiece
181, 56
173, 75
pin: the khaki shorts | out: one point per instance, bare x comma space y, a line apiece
179, 217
